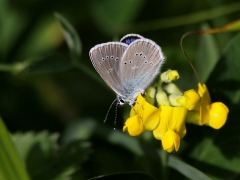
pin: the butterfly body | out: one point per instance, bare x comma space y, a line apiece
127, 67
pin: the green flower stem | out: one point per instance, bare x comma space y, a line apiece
6, 67
14, 68
179, 20
164, 161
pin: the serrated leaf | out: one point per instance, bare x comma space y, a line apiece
66, 163
45, 159
36, 147
51, 64
11, 165
71, 36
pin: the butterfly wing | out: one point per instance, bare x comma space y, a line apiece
129, 38
105, 59
139, 65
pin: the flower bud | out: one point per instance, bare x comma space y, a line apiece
169, 76
162, 98
171, 88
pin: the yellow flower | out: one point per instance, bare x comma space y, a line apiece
171, 127
214, 115
217, 115
190, 99
171, 141
139, 117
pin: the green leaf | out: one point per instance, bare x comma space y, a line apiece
11, 165
44, 38
186, 169
45, 159
125, 176
36, 147
66, 163
71, 36
208, 55
209, 157
86, 128
109, 14
219, 156
225, 78
51, 64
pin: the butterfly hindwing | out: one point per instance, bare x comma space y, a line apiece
140, 64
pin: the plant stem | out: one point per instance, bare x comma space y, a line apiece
164, 161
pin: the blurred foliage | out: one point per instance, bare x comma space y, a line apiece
53, 102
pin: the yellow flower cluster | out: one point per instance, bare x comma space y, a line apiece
167, 122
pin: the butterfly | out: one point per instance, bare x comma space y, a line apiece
128, 67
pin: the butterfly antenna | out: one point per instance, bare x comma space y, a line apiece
181, 43
109, 110
115, 120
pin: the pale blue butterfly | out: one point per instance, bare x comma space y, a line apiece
128, 67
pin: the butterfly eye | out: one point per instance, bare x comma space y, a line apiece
100, 63
125, 63
140, 54
103, 59
136, 54
130, 61
116, 59
145, 62
144, 57
107, 57
112, 57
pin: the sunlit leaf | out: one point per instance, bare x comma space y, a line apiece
11, 165
186, 169
232, 26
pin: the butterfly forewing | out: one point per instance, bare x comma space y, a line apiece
105, 59
139, 65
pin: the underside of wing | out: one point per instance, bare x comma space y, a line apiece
130, 38
105, 59
140, 64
